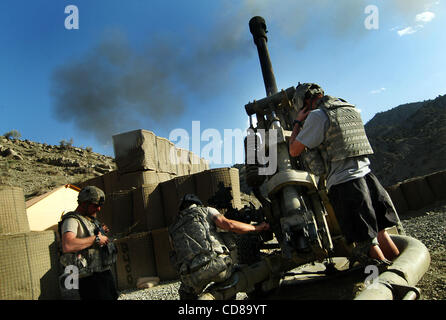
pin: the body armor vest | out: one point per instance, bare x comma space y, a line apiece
92, 259
199, 250
345, 137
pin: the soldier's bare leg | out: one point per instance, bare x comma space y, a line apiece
376, 253
387, 245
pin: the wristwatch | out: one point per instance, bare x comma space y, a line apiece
97, 239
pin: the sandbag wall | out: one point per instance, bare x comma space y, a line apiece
146, 190
419, 192
29, 266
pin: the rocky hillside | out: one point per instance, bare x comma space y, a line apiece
38, 168
409, 140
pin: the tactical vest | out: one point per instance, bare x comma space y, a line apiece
92, 259
199, 250
345, 137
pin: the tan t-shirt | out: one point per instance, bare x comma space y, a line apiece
73, 225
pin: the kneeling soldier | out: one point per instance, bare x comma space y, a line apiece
201, 255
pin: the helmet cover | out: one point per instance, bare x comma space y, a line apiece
91, 194
305, 91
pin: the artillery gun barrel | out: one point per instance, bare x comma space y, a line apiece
257, 26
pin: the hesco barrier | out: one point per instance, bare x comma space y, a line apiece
162, 248
419, 192
29, 261
13, 218
204, 184
136, 259
140, 150
208, 182
148, 207
29, 266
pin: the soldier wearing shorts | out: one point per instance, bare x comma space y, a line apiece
329, 136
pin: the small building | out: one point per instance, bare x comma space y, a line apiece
45, 211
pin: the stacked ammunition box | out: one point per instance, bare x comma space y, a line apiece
29, 266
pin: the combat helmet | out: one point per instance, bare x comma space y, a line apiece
305, 91
189, 199
91, 194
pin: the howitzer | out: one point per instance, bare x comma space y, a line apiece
289, 197
295, 203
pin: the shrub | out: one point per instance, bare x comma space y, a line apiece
13, 134
66, 144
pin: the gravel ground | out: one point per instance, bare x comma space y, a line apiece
166, 291
427, 225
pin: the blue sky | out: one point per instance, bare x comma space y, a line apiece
159, 65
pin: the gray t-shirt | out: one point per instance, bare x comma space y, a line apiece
313, 134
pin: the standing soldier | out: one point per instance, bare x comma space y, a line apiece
200, 254
335, 147
85, 246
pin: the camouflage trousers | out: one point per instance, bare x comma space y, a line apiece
217, 270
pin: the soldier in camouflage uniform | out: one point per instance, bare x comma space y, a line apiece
201, 254
85, 245
330, 136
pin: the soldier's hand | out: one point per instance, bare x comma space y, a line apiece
303, 113
262, 226
103, 240
105, 228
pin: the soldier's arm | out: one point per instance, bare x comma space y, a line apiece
310, 135
237, 226
295, 146
70, 242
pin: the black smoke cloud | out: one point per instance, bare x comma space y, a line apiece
114, 87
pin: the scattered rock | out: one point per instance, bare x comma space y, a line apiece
44, 166
103, 168
11, 154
